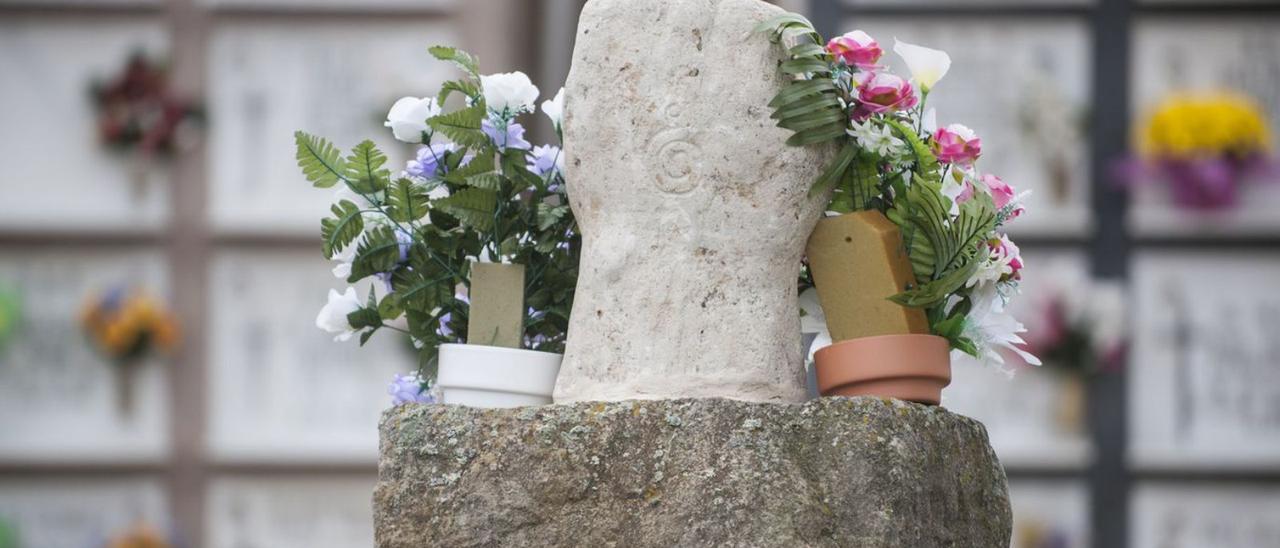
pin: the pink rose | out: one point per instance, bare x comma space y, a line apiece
883, 92
856, 49
956, 144
1003, 250
1001, 193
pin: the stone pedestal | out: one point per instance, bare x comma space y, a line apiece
707, 472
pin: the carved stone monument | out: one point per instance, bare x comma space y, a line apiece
694, 213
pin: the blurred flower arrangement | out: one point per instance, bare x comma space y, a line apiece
137, 112
1081, 336
139, 536
126, 326
1202, 146
895, 159
476, 190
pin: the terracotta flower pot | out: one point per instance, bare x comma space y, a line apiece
907, 367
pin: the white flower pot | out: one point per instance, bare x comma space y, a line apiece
492, 376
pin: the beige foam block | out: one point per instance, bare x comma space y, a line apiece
497, 305
858, 262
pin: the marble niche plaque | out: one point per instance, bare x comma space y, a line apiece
1023, 86
1049, 513
75, 513
58, 397
1241, 55
1204, 387
301, 512
282, 389
1036, 418
336, 80
1205, 515
57, 174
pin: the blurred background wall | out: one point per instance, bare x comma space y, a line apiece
258, 431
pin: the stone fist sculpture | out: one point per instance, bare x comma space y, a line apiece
693, 210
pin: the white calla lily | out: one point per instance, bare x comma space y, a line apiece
554, 108
927, 65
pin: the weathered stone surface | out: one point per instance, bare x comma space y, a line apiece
693, 210
710, 472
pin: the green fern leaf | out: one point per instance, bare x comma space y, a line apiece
319, 160
364, 173
472, 206
379, 252
462, 126
926, 163
406, 201
466, 88
340, 230
462, 59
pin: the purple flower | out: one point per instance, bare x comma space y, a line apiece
546, 159
408, 389
513, 137
444, 330
430, 161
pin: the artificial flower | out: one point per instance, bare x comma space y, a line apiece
512, 136
554, 109
429, 162
856, 49
409, 389
883, 92
333, 316
1007, 254
509, 93
927, 65
878, 138
956, 144
959, 190
408, 118
545, 160
993, 330
1003, 195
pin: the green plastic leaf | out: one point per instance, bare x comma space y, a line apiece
364, 172
472, 206
406, 201
465, 87
319, 160
462, 126
926, 163
340, 230
379, 252
462, 59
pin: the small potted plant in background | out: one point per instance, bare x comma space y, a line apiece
472, 242
127, 326
909, 264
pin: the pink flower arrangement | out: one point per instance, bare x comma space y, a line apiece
856, 49
956, 144
882, 92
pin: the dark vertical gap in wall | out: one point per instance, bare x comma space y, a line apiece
1109, 481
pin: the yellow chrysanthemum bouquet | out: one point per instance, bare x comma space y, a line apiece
127, 326
1203, 145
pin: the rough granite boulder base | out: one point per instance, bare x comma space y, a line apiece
695, 472
693, 210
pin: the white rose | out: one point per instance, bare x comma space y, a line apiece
408, 117
927, 65
554, 109
333, 317
509, 92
